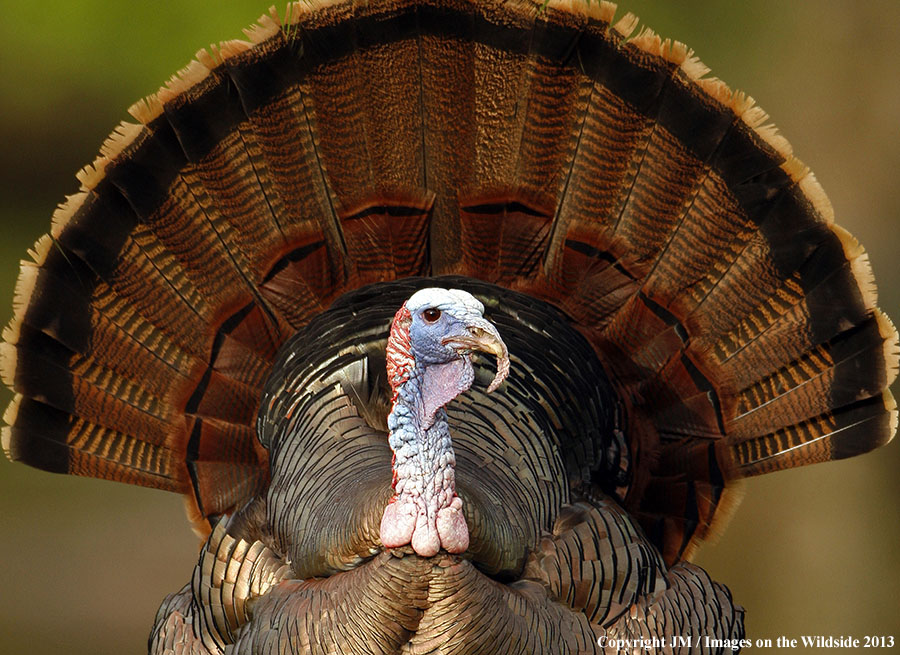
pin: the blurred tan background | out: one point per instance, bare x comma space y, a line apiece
84, 564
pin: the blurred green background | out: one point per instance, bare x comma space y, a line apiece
86, 563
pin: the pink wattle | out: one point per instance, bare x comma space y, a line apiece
398, 523
403, 522
452, 528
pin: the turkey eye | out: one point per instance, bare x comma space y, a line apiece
431, 314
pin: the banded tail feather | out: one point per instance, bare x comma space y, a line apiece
584, 179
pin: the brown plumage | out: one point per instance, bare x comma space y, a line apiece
696, 256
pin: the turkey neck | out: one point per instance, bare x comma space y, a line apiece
425, 510
423, 451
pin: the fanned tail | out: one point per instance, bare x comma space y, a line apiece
555, 151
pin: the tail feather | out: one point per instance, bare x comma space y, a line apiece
503, 239
611, 135
843, 371
386, 236
844, 432
56, 320
332, 100
281, 127
447, 108
840, 300
86, 388
50, 439
391, 110
554, 102
502, 80
125, 281
281, 115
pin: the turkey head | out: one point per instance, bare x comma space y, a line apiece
428, 364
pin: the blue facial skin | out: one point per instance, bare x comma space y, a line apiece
426, 338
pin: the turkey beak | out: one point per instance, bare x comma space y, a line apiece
483, 336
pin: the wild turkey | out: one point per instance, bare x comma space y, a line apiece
521, 206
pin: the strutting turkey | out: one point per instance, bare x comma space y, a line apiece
679, 312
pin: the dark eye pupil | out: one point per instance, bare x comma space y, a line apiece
432, 314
